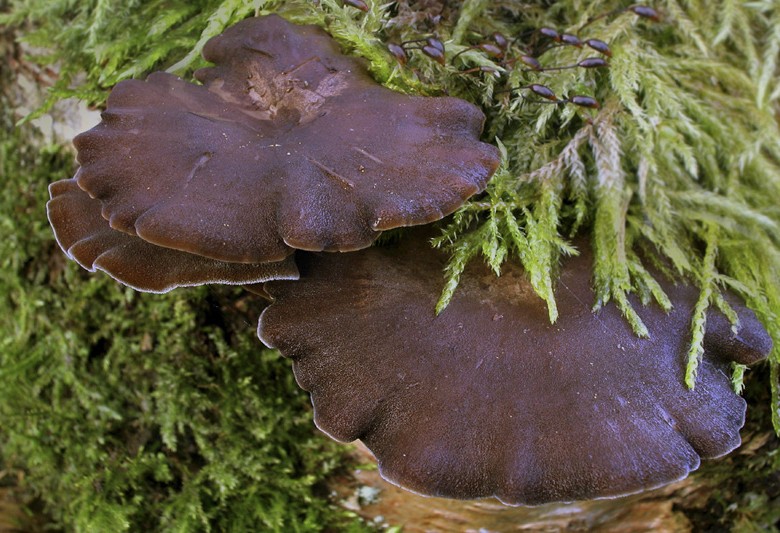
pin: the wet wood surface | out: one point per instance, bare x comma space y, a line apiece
11, 513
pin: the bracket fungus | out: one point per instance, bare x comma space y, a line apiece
489, 398
288, 144
87, 238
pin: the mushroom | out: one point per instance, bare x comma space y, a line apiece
287, 144
86, 237
491, 399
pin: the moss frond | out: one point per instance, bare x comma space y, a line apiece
226, 14
677, 173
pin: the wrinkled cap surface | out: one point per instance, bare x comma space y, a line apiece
85, 236
489, 398
287, 144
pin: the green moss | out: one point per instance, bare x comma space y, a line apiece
681, 164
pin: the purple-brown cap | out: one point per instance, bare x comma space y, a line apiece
287, 144
85, 236
491, 399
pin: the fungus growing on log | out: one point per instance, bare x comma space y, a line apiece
287, 144
85, 236
491, 399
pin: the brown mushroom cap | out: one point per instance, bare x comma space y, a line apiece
288, 144
85, 236
489, 398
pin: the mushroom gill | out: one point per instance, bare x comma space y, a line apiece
491, 399
287, 144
